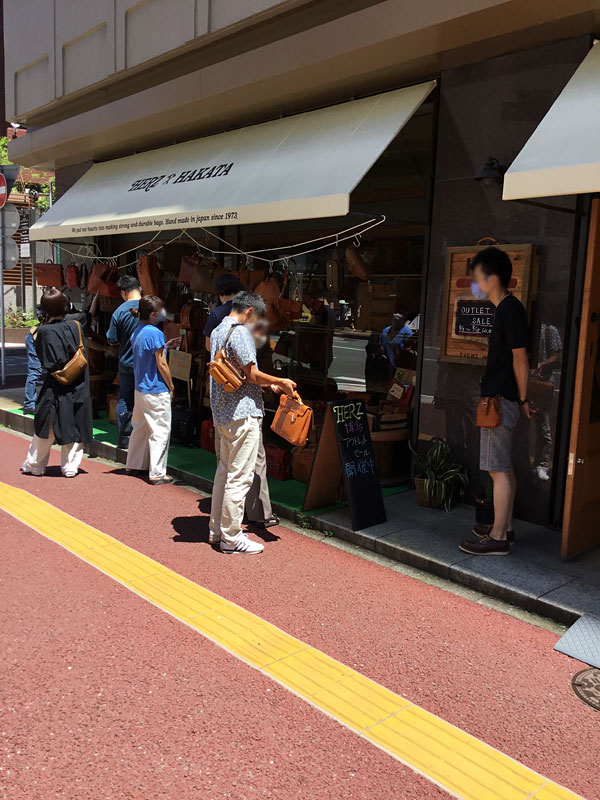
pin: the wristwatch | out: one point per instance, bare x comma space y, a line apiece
523, 402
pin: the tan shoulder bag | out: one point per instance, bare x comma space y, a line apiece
223, 372
75, 367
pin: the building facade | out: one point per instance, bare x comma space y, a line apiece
104, 80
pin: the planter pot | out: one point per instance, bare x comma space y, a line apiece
16, 335
422, 498
484, 511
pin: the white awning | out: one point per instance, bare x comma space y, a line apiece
563, 154
299, 167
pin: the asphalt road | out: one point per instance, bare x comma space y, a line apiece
106, 696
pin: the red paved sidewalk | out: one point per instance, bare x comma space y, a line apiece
143, 687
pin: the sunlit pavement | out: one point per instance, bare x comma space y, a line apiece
109, 691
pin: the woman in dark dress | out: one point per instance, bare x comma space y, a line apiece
62, 413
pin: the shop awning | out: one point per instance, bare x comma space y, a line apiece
298, 167
563, 154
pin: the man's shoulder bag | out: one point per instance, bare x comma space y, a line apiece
75, 366
488, 412
223, 372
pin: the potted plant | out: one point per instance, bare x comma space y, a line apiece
17, 322
439, 479
484, 505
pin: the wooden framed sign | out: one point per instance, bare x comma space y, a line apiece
466, 319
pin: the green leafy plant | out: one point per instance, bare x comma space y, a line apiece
19, 318
444, 479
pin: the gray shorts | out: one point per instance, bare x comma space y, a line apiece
496, 444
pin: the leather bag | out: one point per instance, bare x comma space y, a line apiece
223, 372
488, 412
72, 276
293, 420
279, 462
251, 278
96, 278
149, 276
75, 366
333, 273
302, 459
109, 283
186, 269
206, 271
192, 315
355, 263
48, 274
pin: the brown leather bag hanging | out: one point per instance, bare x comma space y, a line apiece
95, 280
109, 283
187, 268
289, 309
72, 276
293, 420
333, 272
48, 274
251, 278
206, 271
75, 366
222, 371
355, 263
149, 276
192, 315
488, 412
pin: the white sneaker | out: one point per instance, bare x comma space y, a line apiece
243, 545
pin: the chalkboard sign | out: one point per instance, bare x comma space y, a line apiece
345, 452
473, 317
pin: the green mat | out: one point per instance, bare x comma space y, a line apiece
202, 463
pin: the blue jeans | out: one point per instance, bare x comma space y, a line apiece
34, 374
125, 404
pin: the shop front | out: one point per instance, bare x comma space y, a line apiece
326, 215
357, 222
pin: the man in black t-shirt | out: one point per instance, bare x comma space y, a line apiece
227, 286
505, 376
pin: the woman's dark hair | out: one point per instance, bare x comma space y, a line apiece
54, 303
492, 261
228, 283
147, 305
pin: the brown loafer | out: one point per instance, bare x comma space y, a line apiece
483, 530
485, 547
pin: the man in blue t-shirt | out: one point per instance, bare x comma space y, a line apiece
122, 326
226, 287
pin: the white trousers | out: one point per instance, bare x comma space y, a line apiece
258, 499
150, 435
239, 443
39, 453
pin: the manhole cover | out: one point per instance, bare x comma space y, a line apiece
586, 685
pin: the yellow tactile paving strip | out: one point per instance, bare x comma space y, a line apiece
459, 763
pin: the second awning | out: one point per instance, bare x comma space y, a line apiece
298, 167
563, 154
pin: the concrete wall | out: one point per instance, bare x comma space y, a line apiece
491, 109
56, 47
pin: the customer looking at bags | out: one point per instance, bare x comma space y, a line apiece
238, 418
63, 410
151, 419
227, 286
122, 325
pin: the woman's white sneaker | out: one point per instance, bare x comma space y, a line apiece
244, 546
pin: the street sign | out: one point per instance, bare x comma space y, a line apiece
11, 254
3, 191
11, 219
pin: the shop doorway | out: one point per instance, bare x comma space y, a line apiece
581, 530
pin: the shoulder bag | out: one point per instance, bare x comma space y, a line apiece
488, 412
75, 366
293, 420
223, 372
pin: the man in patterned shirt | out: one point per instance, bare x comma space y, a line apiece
238, 418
